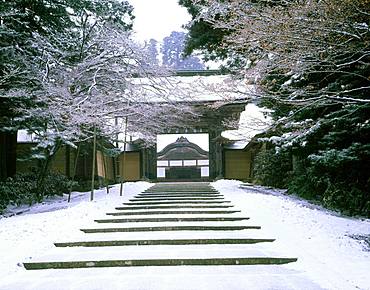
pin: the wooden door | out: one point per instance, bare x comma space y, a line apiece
237, 164
131, 169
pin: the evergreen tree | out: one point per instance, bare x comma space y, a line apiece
311, 61
21, 23
152, 47
203, 35
173, 53
36, 36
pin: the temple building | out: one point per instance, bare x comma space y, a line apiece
182, 160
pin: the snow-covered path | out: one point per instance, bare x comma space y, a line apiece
327, 256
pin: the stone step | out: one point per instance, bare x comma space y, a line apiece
182, 191
182, 185
172, 212
177, 202
162, 242
181, 188
179, 195
173, 219
207, 187
171, 207
136, 199
207, 245
160, 262
171, 228
168, 235
154, 251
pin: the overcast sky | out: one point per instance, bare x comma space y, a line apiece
158, 18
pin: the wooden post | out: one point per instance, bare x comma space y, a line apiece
143, 163
116, 123
124, 159
93, 166
105, 172
116, 160
74, 171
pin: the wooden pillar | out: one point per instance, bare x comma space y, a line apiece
152, 162
93, 166
143, 164
212, 155
215, 155
114, 164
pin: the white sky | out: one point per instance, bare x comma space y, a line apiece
158, 18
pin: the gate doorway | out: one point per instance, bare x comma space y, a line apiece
183, 157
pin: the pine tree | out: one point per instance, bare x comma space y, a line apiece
153, 52
173, 53
311, 63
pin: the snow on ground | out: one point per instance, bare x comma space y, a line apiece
320, 239
328, 258
31, 234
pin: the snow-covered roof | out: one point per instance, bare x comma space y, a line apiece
236, 145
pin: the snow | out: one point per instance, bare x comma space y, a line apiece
24, 137
213, 88
319, 238
253, 120
236, 145
328, 258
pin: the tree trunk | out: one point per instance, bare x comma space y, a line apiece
93, 166
105, 172
8, 154
68, 161
124, 159
74, 171
44, 171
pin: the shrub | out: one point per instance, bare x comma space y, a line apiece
57, 184
22, 189
272, 168
334, 186
337, 179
